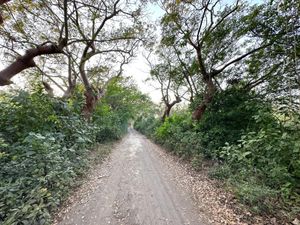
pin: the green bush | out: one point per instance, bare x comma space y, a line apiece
272, 153
112, 125
44, 146
259, 198
227, 118
221, 172
36, 176
146, 124
175, 133
197, 161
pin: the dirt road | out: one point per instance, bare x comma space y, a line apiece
135, 187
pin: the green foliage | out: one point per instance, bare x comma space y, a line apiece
197, 161
45, 144
146, 125
260, 198
229, 115
257, 147
273, 154
26, 113
112, 124
43, 148
221, 172
121, 103
175, 133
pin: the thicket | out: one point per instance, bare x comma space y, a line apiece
44, 146
256, 147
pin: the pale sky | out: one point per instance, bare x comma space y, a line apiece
138, 69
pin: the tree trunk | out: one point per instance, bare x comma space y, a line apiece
91, 96
90, 103
49, 89
70, 91
168, 108
166, 113
207, 98
71, 81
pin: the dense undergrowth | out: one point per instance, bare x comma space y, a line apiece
257, 148
45, 144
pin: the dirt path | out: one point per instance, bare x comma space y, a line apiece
135, 187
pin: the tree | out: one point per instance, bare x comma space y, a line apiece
274, 71
218, 35
95, 42
168, 74
21, 32
112, 48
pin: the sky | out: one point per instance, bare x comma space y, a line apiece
138, 69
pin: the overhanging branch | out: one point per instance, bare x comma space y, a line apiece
26, 61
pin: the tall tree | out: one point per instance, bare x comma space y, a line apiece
217, 33
275, 70
108, 33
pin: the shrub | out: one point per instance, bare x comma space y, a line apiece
44, 146
229, 115
197, 161
221, 172
256, 145
271, 153
146, 124
175, 134
259, 197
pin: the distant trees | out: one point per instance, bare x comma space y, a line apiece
166, 73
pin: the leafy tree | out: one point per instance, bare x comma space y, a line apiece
274, 71
95, 41
220, 36
168, 74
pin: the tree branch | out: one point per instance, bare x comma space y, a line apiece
216, 72
26, 61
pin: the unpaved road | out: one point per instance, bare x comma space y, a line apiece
137, 188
